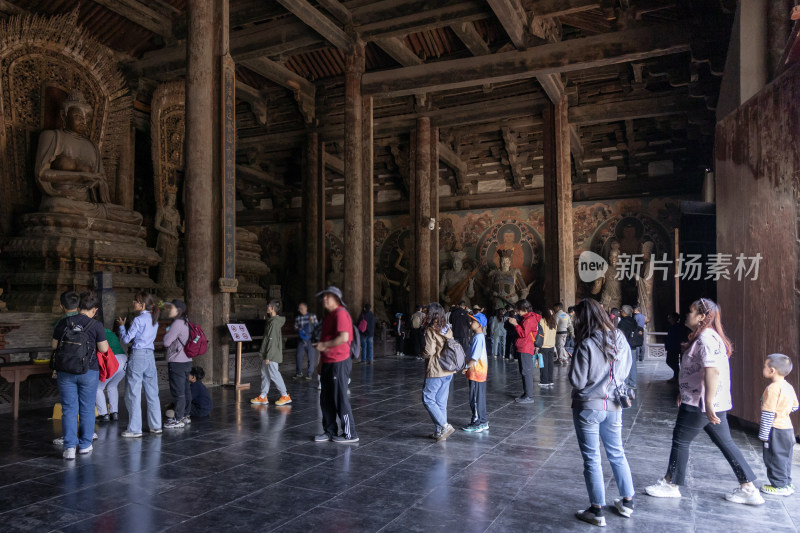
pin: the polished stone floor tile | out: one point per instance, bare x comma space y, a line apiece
256, 468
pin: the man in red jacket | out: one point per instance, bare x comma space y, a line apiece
525, 344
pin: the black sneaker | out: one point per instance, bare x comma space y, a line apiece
103, 418
114, 416
323, 437
625, 508
592, 516
524, 399
341, 439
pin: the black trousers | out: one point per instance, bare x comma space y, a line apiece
179, 387
691, 420
333, 399
526, 369
778, 457
477, 401
546, 372
674, 362
464, 342
417, 341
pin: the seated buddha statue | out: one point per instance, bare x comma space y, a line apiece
69, 168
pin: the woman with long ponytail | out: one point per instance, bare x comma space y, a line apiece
704, 401
141, 369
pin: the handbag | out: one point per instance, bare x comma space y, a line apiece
621, 396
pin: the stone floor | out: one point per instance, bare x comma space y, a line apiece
254, 468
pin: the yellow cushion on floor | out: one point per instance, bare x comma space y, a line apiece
57, 414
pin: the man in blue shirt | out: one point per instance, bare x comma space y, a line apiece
304, 324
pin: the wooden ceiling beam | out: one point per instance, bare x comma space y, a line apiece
567, 56
468, 35
660, 106
140, 14
303, 90
514, 160
397, 49
256, 175
253, 96
319, 23
559, 8
10, 8
514, 20
334, 163
338, 10
265, 40
397, 18
552, 86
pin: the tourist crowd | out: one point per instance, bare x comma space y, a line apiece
600, 347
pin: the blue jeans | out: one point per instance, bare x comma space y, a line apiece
305, 350
78, 392
499, 345
141, 371
630, 381
434, 397
366, 349
591, 426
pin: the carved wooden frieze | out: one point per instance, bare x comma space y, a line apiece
168, 132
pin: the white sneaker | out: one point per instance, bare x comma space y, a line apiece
745, 496
60, 440
662, 489
69, 453
84, 451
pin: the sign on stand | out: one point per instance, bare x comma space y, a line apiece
239, 334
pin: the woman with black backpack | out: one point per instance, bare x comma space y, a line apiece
437, 380
76, 341
599, 367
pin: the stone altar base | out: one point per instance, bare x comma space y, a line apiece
58, 252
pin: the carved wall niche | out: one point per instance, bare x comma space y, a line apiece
168, 131
41, 60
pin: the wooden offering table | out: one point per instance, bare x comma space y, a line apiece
16, 373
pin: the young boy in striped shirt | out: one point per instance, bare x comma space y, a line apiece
778, 400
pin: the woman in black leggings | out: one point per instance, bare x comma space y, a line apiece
704, 400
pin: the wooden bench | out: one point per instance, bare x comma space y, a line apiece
16, 373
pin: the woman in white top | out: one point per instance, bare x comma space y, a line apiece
704, 400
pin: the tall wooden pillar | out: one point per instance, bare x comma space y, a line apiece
322, 203
207, 46
559, 283
201, 221
368, 207
434, 247
353, 186
422, 199
311, 216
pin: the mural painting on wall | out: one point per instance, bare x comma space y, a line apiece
631, 231
392, 277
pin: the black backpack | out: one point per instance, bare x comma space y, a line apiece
74, 351
452, 358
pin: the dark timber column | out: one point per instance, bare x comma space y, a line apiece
201, 220
434, 214
322, 203
368, 203
311, 215
353, 187
559, 262
125, 171
422, 199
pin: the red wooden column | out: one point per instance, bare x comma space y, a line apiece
422, 199
559, 283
